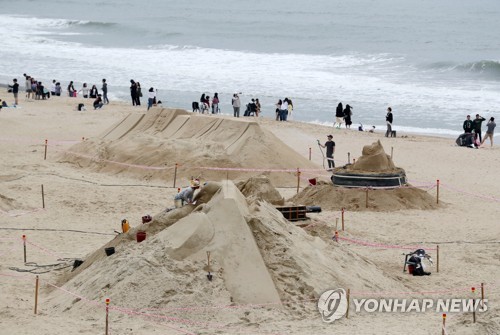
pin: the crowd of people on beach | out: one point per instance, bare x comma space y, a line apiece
205, 105
35, 90
472, 130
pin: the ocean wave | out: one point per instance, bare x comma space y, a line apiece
483, 67
30, 23
91, 23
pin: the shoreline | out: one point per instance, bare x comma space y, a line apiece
402, 130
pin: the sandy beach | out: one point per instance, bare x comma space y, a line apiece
159, 286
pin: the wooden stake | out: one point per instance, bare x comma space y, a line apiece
348, 158
107, 316
342, 218
353, 160
392, 151
175, 174
443, 332
298, 180
437, 191
366, 198
43, 198
208, 260
348, 302
482, 295
24, 244
309, 153
473, 289
45, 154
36, 293
437, 258
336, 223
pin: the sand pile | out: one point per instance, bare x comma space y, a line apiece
163, 137
334, 198
260, 188
257, 257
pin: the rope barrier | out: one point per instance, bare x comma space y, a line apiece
58, 230
471, 194
45, 250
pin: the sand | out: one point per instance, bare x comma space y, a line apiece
267, 272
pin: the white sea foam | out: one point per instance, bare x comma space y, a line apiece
369, 82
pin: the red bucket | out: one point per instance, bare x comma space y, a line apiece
312, 181
141, 236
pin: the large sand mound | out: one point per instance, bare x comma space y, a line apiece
164, 137
335, 198
257, 257
260, 188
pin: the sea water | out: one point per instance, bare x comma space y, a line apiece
433, 62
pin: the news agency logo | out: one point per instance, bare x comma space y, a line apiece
333, 304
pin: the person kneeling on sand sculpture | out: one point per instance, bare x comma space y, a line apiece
186, 195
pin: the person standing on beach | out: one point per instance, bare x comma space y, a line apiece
284, 110
71, 89
477, 126
139, 94
330, 150
104, 90
490, 131
85, 91
94, 92
388, 120
133, 92
339, 115
347, 116
278, 107
53, 88
290, 109
236, 105
215, 104
28, 86
468, 125
257, 107
151, 97
15, 90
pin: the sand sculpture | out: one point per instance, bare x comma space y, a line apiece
373, 169
148, 145
257, 257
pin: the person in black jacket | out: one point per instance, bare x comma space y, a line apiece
468, 125
339, 115
15, 90
477, 125
133, 92
388, 119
